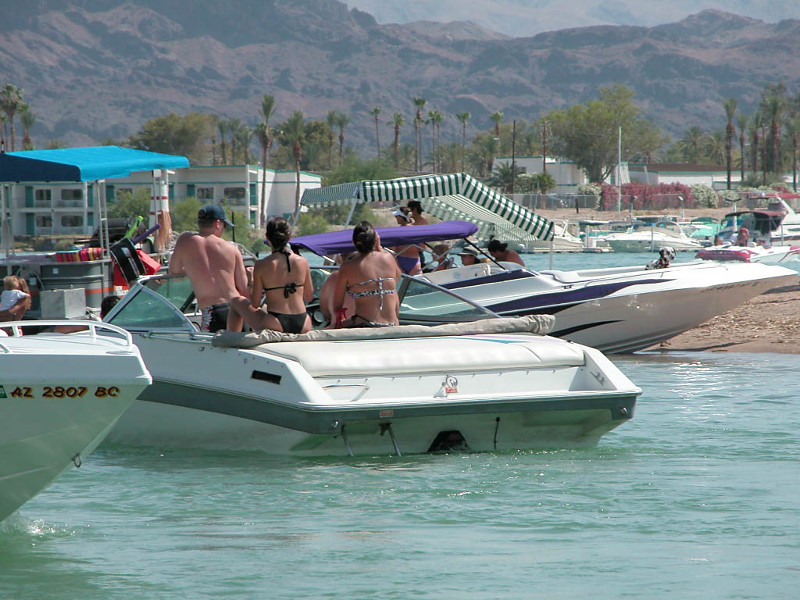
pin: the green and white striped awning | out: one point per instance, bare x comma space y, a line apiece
447, 197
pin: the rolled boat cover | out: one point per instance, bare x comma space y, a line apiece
535, 324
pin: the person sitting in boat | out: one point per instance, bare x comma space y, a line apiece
441, 259
214, 266
468, 256
10, 309
742, 238
501, 252
326, 300
415, 206
370, 279
665, 256
284, 279
407, 256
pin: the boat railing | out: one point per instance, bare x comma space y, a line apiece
24, 328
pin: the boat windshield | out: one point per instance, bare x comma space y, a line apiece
421, 302
157, 303
167, 302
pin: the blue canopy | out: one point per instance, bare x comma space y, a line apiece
83, 164
339, 242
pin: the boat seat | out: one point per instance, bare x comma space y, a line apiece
405, 356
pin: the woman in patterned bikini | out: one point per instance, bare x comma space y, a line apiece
370, 279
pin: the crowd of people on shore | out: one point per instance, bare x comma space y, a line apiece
273, 293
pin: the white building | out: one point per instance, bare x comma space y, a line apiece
45, 208
567, 174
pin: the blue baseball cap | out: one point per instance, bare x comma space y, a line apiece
213, 212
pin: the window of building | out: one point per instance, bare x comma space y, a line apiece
235, 195
42, 198
44, 221
205, 193
71, 197
72, 220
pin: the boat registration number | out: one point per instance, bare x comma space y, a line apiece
58, 391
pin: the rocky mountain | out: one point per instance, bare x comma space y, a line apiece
97, 69
525, 18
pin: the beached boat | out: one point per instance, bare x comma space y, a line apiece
649, 236
621, 309
489, 385
60, 394
779, 225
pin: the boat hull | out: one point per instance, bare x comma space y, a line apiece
621, 310
51, 419
387, 396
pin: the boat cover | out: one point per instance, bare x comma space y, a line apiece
338, 242
83, 164
447, 197
535, 324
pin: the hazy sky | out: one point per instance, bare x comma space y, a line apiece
529, 17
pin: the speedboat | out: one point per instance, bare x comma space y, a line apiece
770, 255
649, 236
492, 384
779, 224
59, 397
621, 309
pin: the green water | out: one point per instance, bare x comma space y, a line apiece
696, 497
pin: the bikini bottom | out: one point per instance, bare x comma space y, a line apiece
291, 323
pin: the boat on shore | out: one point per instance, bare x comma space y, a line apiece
618, 309
491, 384
60, 395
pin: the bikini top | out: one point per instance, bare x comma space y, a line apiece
289, 288
379, 292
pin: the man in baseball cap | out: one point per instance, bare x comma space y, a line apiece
213, 265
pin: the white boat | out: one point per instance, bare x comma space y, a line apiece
621, 309
60, 394
649, 236
779, 225
488, 385
753, 253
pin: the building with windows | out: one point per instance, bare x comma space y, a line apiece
73, 208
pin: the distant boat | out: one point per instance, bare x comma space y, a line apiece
644, 236
779, 225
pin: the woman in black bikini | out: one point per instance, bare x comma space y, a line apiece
370, 279
284, 278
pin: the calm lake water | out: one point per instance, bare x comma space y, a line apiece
696, 497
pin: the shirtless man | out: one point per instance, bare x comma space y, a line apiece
415, 206
213, 265
370, 279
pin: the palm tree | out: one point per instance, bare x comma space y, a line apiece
223, 129
234, 126
774, 107
742, 121
692, 143
331, 119
397, 120
342, 120
265, 139
463, 117
294, 130
10, 103
375, 112
27, 118
496, 118
436, 118
755, 136
419, 103
730, 109
244, 137
793, 129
